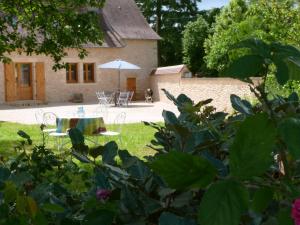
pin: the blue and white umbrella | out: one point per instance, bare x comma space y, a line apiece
119, 65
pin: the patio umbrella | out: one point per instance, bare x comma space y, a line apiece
119, 65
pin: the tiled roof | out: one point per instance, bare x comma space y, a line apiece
122, 19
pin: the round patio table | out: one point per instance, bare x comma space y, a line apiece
87, 124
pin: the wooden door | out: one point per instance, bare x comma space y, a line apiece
40, 81
10, 82
131, 85
24, 81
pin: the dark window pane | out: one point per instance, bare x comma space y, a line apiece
25, 75
71, 72
88, 72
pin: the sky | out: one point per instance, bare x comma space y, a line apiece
208, 4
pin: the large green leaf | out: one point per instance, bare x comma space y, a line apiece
245, 67
294, 68
181, 170
241, 105
110, 152
262, 199
257, 46
289, 130
250, 153
167, 218
76, 136
53, 208
282, 71
223, 204
97, 217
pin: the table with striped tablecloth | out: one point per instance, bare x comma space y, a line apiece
88, 125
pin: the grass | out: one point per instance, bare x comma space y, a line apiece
135, 137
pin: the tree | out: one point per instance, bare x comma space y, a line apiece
216, 46
48, 27
269, 20
193, 40
168, 18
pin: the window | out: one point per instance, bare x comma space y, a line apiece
24, 74
88, 72
72, 73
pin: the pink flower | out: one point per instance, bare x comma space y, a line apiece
296, 211
103, 194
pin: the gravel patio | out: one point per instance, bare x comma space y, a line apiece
135, 112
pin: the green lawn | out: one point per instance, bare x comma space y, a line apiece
135, 137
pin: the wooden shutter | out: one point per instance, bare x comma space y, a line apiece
10, 83
40, 81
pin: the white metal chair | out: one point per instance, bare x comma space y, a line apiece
131, 93
101, 111
123, 98
50, 119
39, 116
102, 98
117, 127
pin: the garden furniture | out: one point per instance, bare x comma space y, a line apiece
45, 120
89, 124
123, 98
117, 127
50, 118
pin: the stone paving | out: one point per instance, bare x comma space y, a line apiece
135, 112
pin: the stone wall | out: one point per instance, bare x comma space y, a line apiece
219, 89
140, 52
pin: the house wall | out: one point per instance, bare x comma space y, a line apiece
219, 89
2, 83
140, 52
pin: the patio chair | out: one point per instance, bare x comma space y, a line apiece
50, 119
102, 98
131, 94
123, 98
101, 111
116, 128
39, 116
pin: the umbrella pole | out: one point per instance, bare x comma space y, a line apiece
119, 80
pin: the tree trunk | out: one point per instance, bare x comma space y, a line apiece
158, 29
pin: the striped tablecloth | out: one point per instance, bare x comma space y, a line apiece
88, 126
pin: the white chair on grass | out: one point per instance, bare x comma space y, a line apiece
101, 111
39, 116
50, 119
116, 128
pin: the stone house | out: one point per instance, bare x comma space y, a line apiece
128, 36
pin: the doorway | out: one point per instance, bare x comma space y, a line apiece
24, 81
131, 86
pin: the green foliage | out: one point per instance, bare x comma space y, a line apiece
48, 27
191, 171
193, 39
224, 203
222, 37
264, 19
262, 58
251, 151
289, 130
